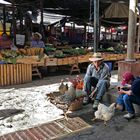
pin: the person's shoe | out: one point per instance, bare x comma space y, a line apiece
129, 116
95, 105
86, 100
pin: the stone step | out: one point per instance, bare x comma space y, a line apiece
111, 95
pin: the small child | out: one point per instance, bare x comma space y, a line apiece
127, 80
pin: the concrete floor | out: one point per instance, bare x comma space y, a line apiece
117, 128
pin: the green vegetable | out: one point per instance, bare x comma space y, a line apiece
59, 55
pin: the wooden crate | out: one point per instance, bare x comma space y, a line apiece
59, 62
51, 62
62, 61
137, 55
34, 60
27, 60
72, 60
113, 57
83, 58
11, 74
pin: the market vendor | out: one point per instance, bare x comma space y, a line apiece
5, 42
36, 41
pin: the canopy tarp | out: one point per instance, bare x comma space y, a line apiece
117, 10
3, 2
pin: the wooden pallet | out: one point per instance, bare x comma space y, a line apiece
11, 74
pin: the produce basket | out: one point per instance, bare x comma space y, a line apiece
73, 106
76, 104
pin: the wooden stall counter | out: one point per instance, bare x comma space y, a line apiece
11, 74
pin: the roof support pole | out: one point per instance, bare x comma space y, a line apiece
4, 19
138, 38
14, 21
96, 25
85, 33
131, 31
21, 18
41, 9
42, 19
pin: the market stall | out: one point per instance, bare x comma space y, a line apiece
16, 66
19, 66
11, 74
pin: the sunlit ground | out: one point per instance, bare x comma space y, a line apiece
27, 106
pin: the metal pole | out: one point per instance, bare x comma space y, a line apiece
21, 18
91, 18
42, 19
138, 38
14, 21
131, 31
4, 20
85, 33
41, 9
91, 10
96, 25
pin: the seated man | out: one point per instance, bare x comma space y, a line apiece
36, 41
98, 77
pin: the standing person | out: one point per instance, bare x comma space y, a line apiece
5, 42
128, 96
98, 78
36, 41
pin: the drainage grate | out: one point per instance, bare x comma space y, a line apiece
48, 131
